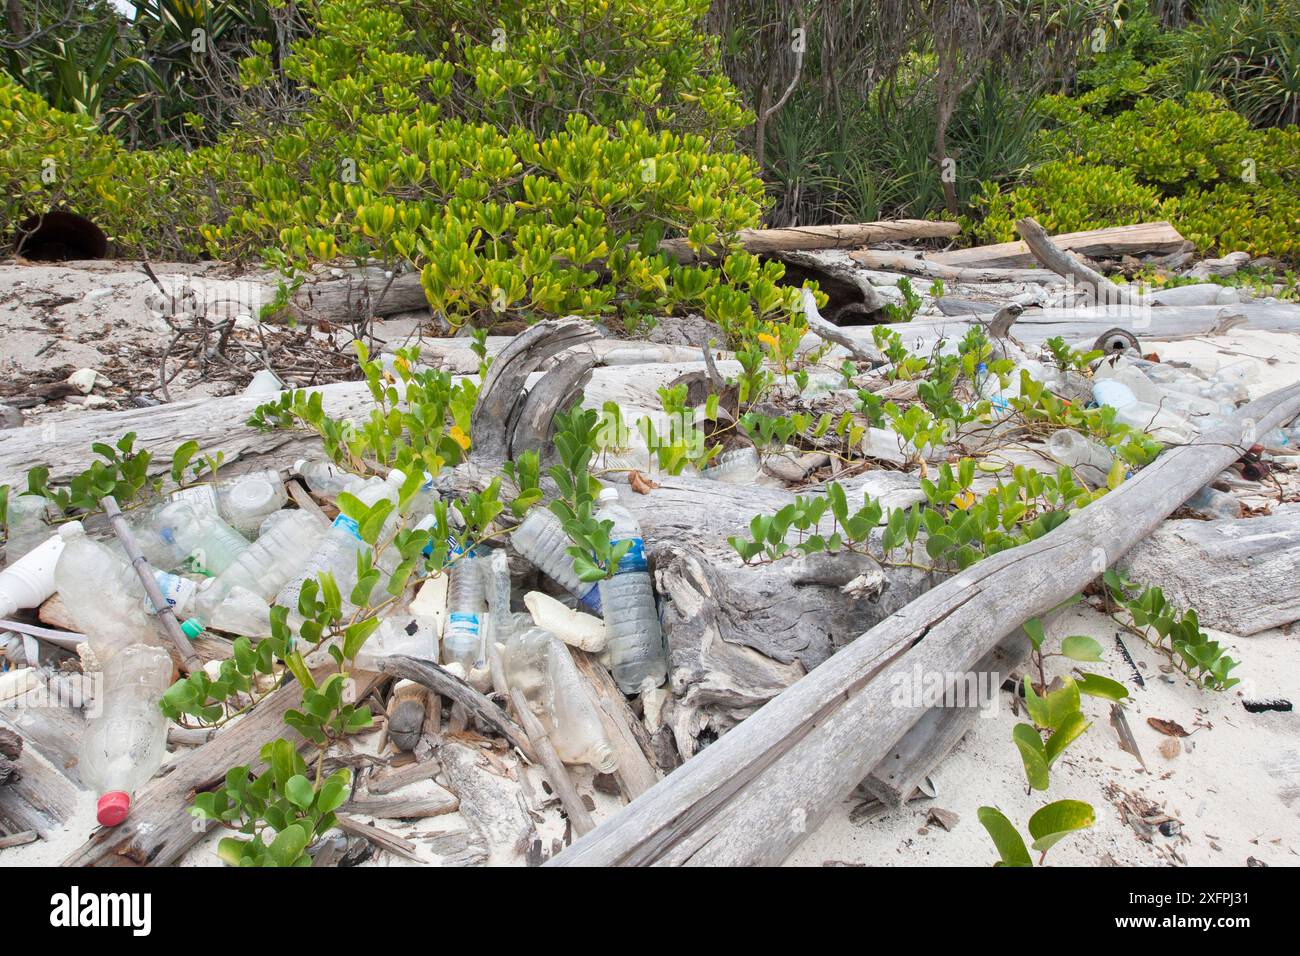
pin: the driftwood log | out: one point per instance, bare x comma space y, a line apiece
1240, 574
1100, 289
918, 265
754, 795
1158, 238
849, 236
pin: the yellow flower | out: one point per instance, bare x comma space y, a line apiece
964, 500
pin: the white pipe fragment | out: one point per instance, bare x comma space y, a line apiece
575, 628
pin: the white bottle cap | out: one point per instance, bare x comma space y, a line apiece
252, 493
297, 466
396, 478
72, 529
608, 493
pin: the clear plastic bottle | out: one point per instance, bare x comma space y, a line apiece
324, 477
462, 639
124, 745
265, 566
28, 525
738, 466
243, 501
539, 666
1090, 461
636, 640
541, 539
193, 535
102, 594
1214, 503
337, 550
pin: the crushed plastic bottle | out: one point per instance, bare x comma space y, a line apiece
191, 535
738, 466
541, 539
1090, 461
337, 549
102, 594
1214, 503
462, 637
539, 666
495, 570
636, 640
243, 502
324, 477
28, 524
124, 746
265, 566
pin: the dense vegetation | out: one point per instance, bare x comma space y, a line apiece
528, 156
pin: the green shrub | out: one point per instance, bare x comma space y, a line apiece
527, 169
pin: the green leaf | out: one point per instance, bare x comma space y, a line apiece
1053, 708
356, 635
1034, 628
1080, 647
181, 458
231, 850
299, 791
1032, 755
1069, 731
1010, 844
289, 844
1095, 685
1057, 820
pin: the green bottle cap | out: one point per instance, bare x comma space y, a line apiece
191, 628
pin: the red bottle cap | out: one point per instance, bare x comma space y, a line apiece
113, 808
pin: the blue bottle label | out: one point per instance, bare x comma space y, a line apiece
634, 560
468, 622
348, 525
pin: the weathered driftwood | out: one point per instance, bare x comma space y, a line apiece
556, 773
159, 831
1101, 290
847, 287
491, 804
379, 838
833, 333
448, 685
415, 807
1239, 574
752, 796
37, 797
848, 236
932, 737
917, 265
1144, 238
395, 778
637, 770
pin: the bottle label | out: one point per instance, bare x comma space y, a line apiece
205, 495
348, 525
634, 560
175, 589
466, 622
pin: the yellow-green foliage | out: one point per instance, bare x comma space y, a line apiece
527, 161
1223, 183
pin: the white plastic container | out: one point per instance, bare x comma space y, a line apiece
244, 501
738, 466
635, 636
541, 539
124, 746
29, 581
324, 477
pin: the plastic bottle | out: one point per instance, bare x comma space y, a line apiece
497, 586
192, 535
28, 525
1089, 460
243, 502
28, 581
738, 466
324, 477
124, 746
462, 635
265, 566
540, 668
541, 539
636, 640
1211, 502
102, 593
337, 549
